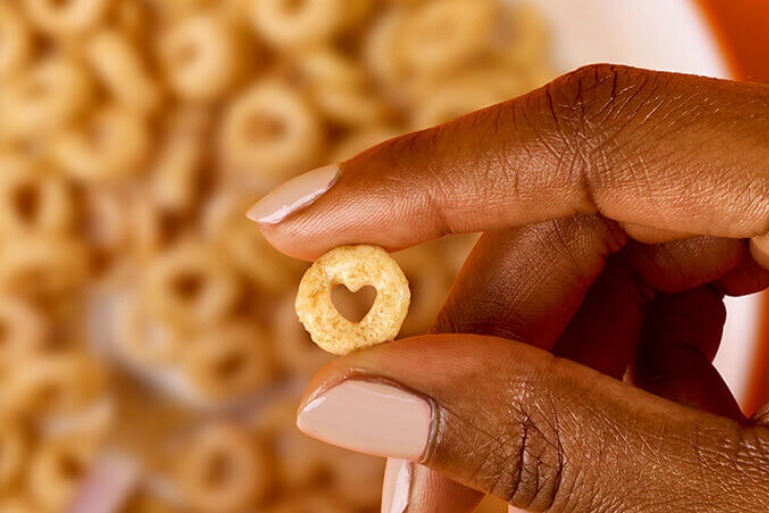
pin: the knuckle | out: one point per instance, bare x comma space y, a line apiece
534, 473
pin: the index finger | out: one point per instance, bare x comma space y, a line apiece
674, 153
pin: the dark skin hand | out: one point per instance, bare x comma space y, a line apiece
618, 207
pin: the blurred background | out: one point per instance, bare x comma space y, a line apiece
150, 357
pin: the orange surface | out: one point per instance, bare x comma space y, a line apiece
742, 27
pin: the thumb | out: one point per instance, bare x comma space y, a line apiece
540, 432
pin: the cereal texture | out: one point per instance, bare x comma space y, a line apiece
354, 267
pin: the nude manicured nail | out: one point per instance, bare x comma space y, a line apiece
294, 195
397, 486
372, 418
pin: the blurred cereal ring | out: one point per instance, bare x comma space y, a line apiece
189, 285
441, 35
43, 267
381, 54
22, 331
201, 58
430, 282
287, 23
119, 66
52, 385
175, 174
67, 18
246, 248
33, 200
56, 468
328, 66
142, 341
223, 468
353, 107
354, 267
13, 454
229, 362
43, 98
109, 146
271, 129
16, 40
453, 101
294, 348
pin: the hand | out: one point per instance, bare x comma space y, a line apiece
619, 206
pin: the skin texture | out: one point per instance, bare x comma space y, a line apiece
619, 206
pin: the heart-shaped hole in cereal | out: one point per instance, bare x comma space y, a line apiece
353, 306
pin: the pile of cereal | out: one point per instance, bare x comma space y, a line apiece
134, 134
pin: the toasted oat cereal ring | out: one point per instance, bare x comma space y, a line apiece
528, 38
295, 351
354, 267
246, 248
111, 145
65, 18
32, 200
200, 57
118, 65
13, 453
223, 468
17, 503
52, 385
381, 54
56, 468
143, 341
287, 23
22, 331
43, 267
430, 281
15, 40
175, 174
453, 101
189, 285
43, 98
229, 362
441, 35
350, 106
301, 462
328, 66
271, 129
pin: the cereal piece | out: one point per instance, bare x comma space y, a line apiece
22, 331
229, 362
43, 267
430, 282
52, 385
293, 346
271, 129
354, 267
269, 270
56, 469
13, 453
441, 35
15, 40
350, 106
143, 341
119, 66
43, 98
201, 58
17, 504
286, 23
32, 200
453, 101
65, 18
223, 468
189, 285
111, 145
175, 174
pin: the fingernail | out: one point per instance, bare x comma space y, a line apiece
367, 417
294, 195
397, 486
